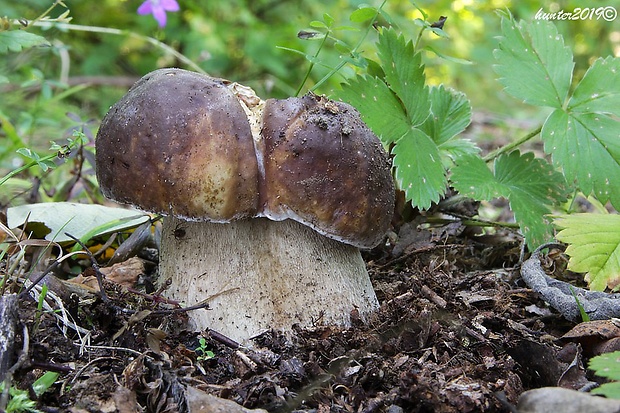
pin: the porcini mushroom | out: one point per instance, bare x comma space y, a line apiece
266, 203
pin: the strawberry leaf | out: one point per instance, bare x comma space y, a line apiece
378, 106
450, 115
587, 147
530, 184
17, 40
533, 63
418, 170
609, 390
606, 365
404, 73
594, 247
472, 177
599, 89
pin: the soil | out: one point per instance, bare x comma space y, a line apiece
457, 331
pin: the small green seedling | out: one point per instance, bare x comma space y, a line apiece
19, 400
203, 353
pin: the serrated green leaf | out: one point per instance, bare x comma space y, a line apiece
594, 247
374, 69
362, 14
530, 184
419, 171
472, 177
404, 73
533, 63
456, 148
378, 106
599, 89
587, 147
450, 114
606, 365
17, 40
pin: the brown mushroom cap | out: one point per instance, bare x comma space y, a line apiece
180, 143
326, 169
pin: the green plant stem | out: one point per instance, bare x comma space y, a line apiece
472, 222
117, 32
417, 40
353, 51
505, 149
26, 166
316, 55
48, 11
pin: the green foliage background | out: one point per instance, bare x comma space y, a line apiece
84, 72
237, 39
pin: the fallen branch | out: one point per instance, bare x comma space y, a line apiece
563, 296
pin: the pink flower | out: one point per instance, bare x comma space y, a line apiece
158, 9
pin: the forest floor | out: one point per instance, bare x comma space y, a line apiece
457, 331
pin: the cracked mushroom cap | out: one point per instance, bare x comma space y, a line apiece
179, 143
184, 144
326, 169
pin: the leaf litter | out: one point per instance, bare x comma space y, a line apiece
457, 331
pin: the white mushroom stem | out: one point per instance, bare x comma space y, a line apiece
270, 275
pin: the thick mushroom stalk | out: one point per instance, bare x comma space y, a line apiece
263, 274
267, 203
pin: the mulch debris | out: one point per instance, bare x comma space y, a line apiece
457, 331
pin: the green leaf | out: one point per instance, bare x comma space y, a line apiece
328, 19
586, 146
362, 14
599, 89
448, 58
318, 24
606, 365
450, 114
456, 148
533, 63
56, 218
594, 247
43, 383
530, 184
17, 40
419, 171
404, 73
472, 177
439, 32
378, 106
609, 390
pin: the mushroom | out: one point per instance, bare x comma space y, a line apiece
266, 203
